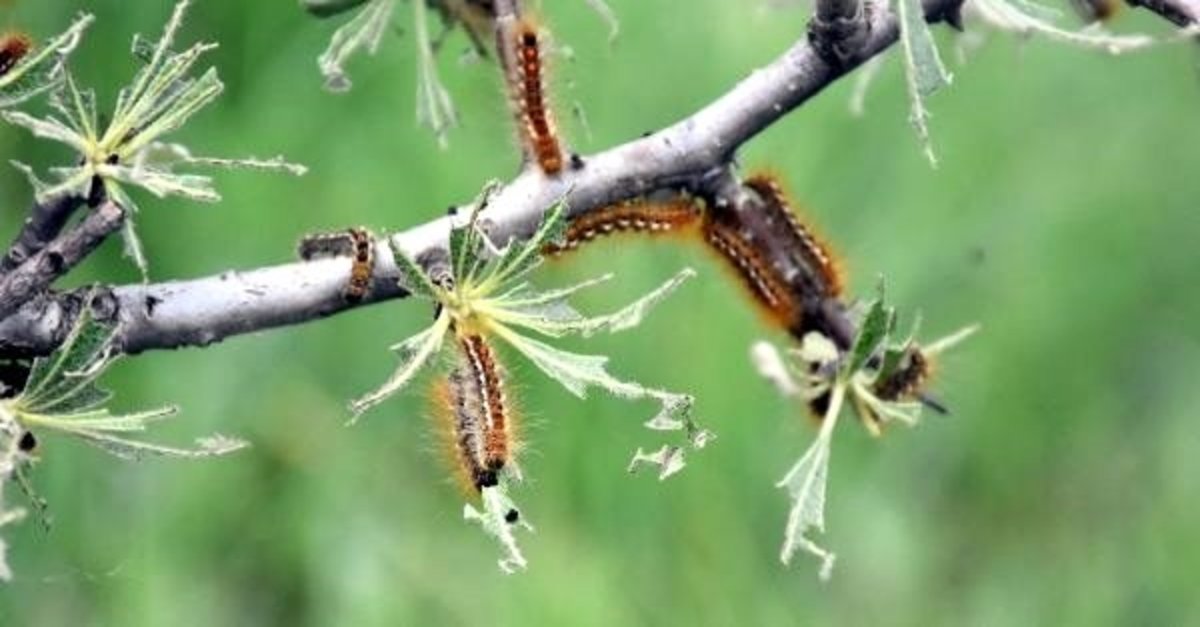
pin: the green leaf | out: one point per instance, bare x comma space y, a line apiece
923, 67
519, 258
412, 276
71, 368
873, 331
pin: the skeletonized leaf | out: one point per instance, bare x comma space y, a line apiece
1025, 18
136, 450
435, 107
497, 506
668, 460
41, 70
414, 353
923, 67
554, 317
805, 484
364, 31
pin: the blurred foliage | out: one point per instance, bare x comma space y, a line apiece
1062, 217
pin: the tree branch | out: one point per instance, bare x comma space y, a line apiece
44, 223
56, 259
694, 154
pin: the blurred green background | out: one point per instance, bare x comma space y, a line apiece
1063, 218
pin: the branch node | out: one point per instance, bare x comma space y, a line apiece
840, 30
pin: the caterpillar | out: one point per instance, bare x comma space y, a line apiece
472, 400
361, 266
906, 381
816, 255
534, 119
356, 243
723, 235
633, 216
13, 47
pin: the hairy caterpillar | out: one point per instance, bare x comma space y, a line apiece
534, 119
13, 47
472, 401
355, 243
905, 382
633, 216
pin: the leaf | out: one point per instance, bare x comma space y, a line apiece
873, 331
47, 128
519, 258
70, 369
435, 108
497, 509
414, 353
805, 484
412, 276
923, 67
136, 450
364, 31
41, 70
668, 460
632, 314
1028, 18
549, 314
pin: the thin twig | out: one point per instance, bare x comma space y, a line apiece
44, 223
57, 258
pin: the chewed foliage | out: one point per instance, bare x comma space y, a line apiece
818, 371
483, 289
61, 396
163, 96
41, 69
373, 19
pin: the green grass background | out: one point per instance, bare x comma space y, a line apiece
1063, 218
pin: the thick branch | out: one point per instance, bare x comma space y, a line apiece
692, 154
58, 257
1182, 13
44, 223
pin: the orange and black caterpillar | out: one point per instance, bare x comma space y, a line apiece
906, 382
633, 216
534, 119
13, 48
356, 243
787, 269
471, 399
